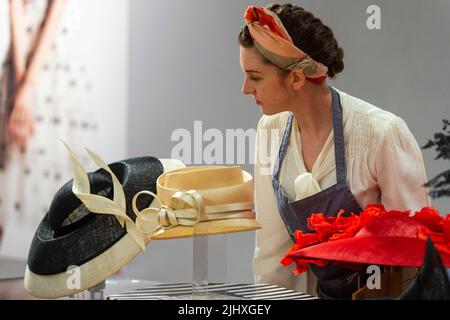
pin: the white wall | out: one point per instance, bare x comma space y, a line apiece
103, 32
105, 25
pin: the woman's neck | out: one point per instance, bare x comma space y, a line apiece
313, 110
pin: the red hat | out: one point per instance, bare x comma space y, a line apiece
376, 236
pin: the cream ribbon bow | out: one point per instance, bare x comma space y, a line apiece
186, 209
99, 204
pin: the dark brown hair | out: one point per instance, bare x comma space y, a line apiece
308, 33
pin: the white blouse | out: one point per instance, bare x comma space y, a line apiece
384, 165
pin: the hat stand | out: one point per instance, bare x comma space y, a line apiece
202, 265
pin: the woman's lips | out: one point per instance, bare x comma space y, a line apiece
258, 102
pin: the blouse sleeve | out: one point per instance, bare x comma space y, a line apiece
400, 169
272, 240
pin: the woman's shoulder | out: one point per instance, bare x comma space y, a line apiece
363, 113
357, 105
367, 126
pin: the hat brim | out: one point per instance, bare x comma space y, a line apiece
208, 228
387, 251
90, 273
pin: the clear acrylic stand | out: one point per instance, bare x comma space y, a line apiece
209, 264
200, 267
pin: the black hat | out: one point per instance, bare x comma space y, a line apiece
73, 248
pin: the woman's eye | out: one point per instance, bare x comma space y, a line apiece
254, 79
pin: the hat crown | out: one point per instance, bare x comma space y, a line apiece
392, 225
201, 178
217, 185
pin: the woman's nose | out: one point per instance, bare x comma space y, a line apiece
247, 89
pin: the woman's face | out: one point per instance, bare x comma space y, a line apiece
263, 81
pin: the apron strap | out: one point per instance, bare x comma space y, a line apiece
339, 146
283, 147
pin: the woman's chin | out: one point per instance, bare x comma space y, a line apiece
267, 112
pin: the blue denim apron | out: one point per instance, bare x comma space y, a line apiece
334, 282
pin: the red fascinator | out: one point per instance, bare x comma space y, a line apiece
376, 236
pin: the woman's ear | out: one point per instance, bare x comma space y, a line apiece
297, 79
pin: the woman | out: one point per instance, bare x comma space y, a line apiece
328, 150
42, 100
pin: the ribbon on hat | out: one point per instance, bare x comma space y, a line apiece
99, 204
185, 209
275, 44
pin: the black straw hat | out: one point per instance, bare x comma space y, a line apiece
96, 245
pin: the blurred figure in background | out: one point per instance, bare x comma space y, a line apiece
44, 98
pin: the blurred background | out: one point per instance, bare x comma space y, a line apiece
153, 68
